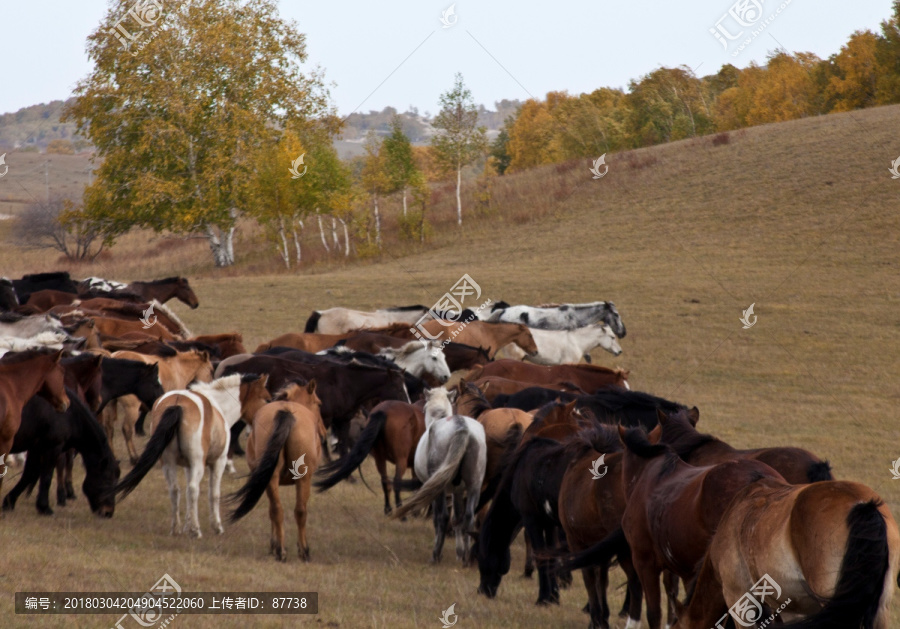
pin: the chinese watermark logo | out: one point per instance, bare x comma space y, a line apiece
746, 318
595, 468
151, 616
295, 467
148, 318
448, 311
144, 13
600, 161
748, 610
449, 12
293, 169
741, 16
6, 467
895, 471
445, 617
3, 163
894, 169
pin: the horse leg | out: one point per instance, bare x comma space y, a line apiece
473, 496
441, 524
30, 475
553, 578
670, 581
234, 447
399, 472
565, 575
171, 474
529, 559
47, 464
381, 466
634, 595
595, 605
539, 544
649, 575
139, 423
300, 513
61, 480
215, 493
192, 520
70, 462
276, 517
108, 419
460, 524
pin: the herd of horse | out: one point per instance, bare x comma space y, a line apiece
504, 430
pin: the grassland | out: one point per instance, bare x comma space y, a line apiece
799, 218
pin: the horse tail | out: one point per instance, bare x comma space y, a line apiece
253, 489
341, 469
443, 476
819, 471
313, 322
600, 553
159, 441
509, 443
857, 597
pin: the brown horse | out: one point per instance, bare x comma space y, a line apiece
673, 510
113, 326
22, 375
490, 336
827, 552
391, 435
284, 448
591, 504
493, 386
312, 342
230, 344
587, 377
798, 466
174, 373
165, 289
44, 300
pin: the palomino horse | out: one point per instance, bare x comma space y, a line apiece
391, 434
450, 460
191, 429
490, 336
827, 552
798, 466
587, 377
288, 429
672, 511
22, 375
562, 317
343, 320
557, 347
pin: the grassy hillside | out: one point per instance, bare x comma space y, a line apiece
799, 218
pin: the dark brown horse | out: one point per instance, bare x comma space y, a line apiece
229, 344
672, 511
826, 552
21, 376
391, 435
165, 289
586, 377
798, 466
44, 300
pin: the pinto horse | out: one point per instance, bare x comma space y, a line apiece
22, 375
562, 317
672, 511
557, 347
288, 429
832, 548
450, 461
391, 434
191, 429
586, 377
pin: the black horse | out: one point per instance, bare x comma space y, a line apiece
58, 280
129, 377
8, 299
45, 434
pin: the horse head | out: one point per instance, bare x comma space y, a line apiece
185, 294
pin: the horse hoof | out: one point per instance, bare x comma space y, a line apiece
388, 511
528, 574
8, 505
435, 559
70, 493
195, 533
133, 461
281, 555
45, 510
219, 530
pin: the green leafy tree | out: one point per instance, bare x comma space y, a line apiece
398, 159
180, 115
375, 177
460, 140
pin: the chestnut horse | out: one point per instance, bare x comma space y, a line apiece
586, 377
828, 552
290, 429
22, 375
308, 342
191, 428
391, 434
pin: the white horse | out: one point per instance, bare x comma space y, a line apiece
191, 428
23, 326
52, 340
562, 316
452, 447
556, 347
342, 320
419, 359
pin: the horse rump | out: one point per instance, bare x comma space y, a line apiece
159, 441
857, 596
338, 470
443, 476
313, 322
253, 489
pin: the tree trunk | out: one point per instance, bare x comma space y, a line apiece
346, 239
283, 250
404, 201
458, 199
322, 232
334, 235
377, 224
219, 249
297, 240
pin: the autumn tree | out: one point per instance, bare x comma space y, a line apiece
179, 106
668, 104
400, 166
888, 55
853, 74
376, 180
459, 140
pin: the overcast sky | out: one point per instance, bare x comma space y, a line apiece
398, 53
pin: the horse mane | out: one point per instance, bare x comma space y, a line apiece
616, 399
12, 317
12, 358
387, 329
637, 443
282, 393
404, 308
166, 280
599, 437
482, 404
51, 275
500, 305
171, 314
541, 413
120, 294
682, 437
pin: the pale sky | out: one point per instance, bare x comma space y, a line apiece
504, 48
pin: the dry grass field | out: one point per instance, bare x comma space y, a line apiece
799, 218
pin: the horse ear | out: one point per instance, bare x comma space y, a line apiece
621, 432
694, 416
311, 386
655, 435
661, 416
452, 395
204, 355
263, 380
